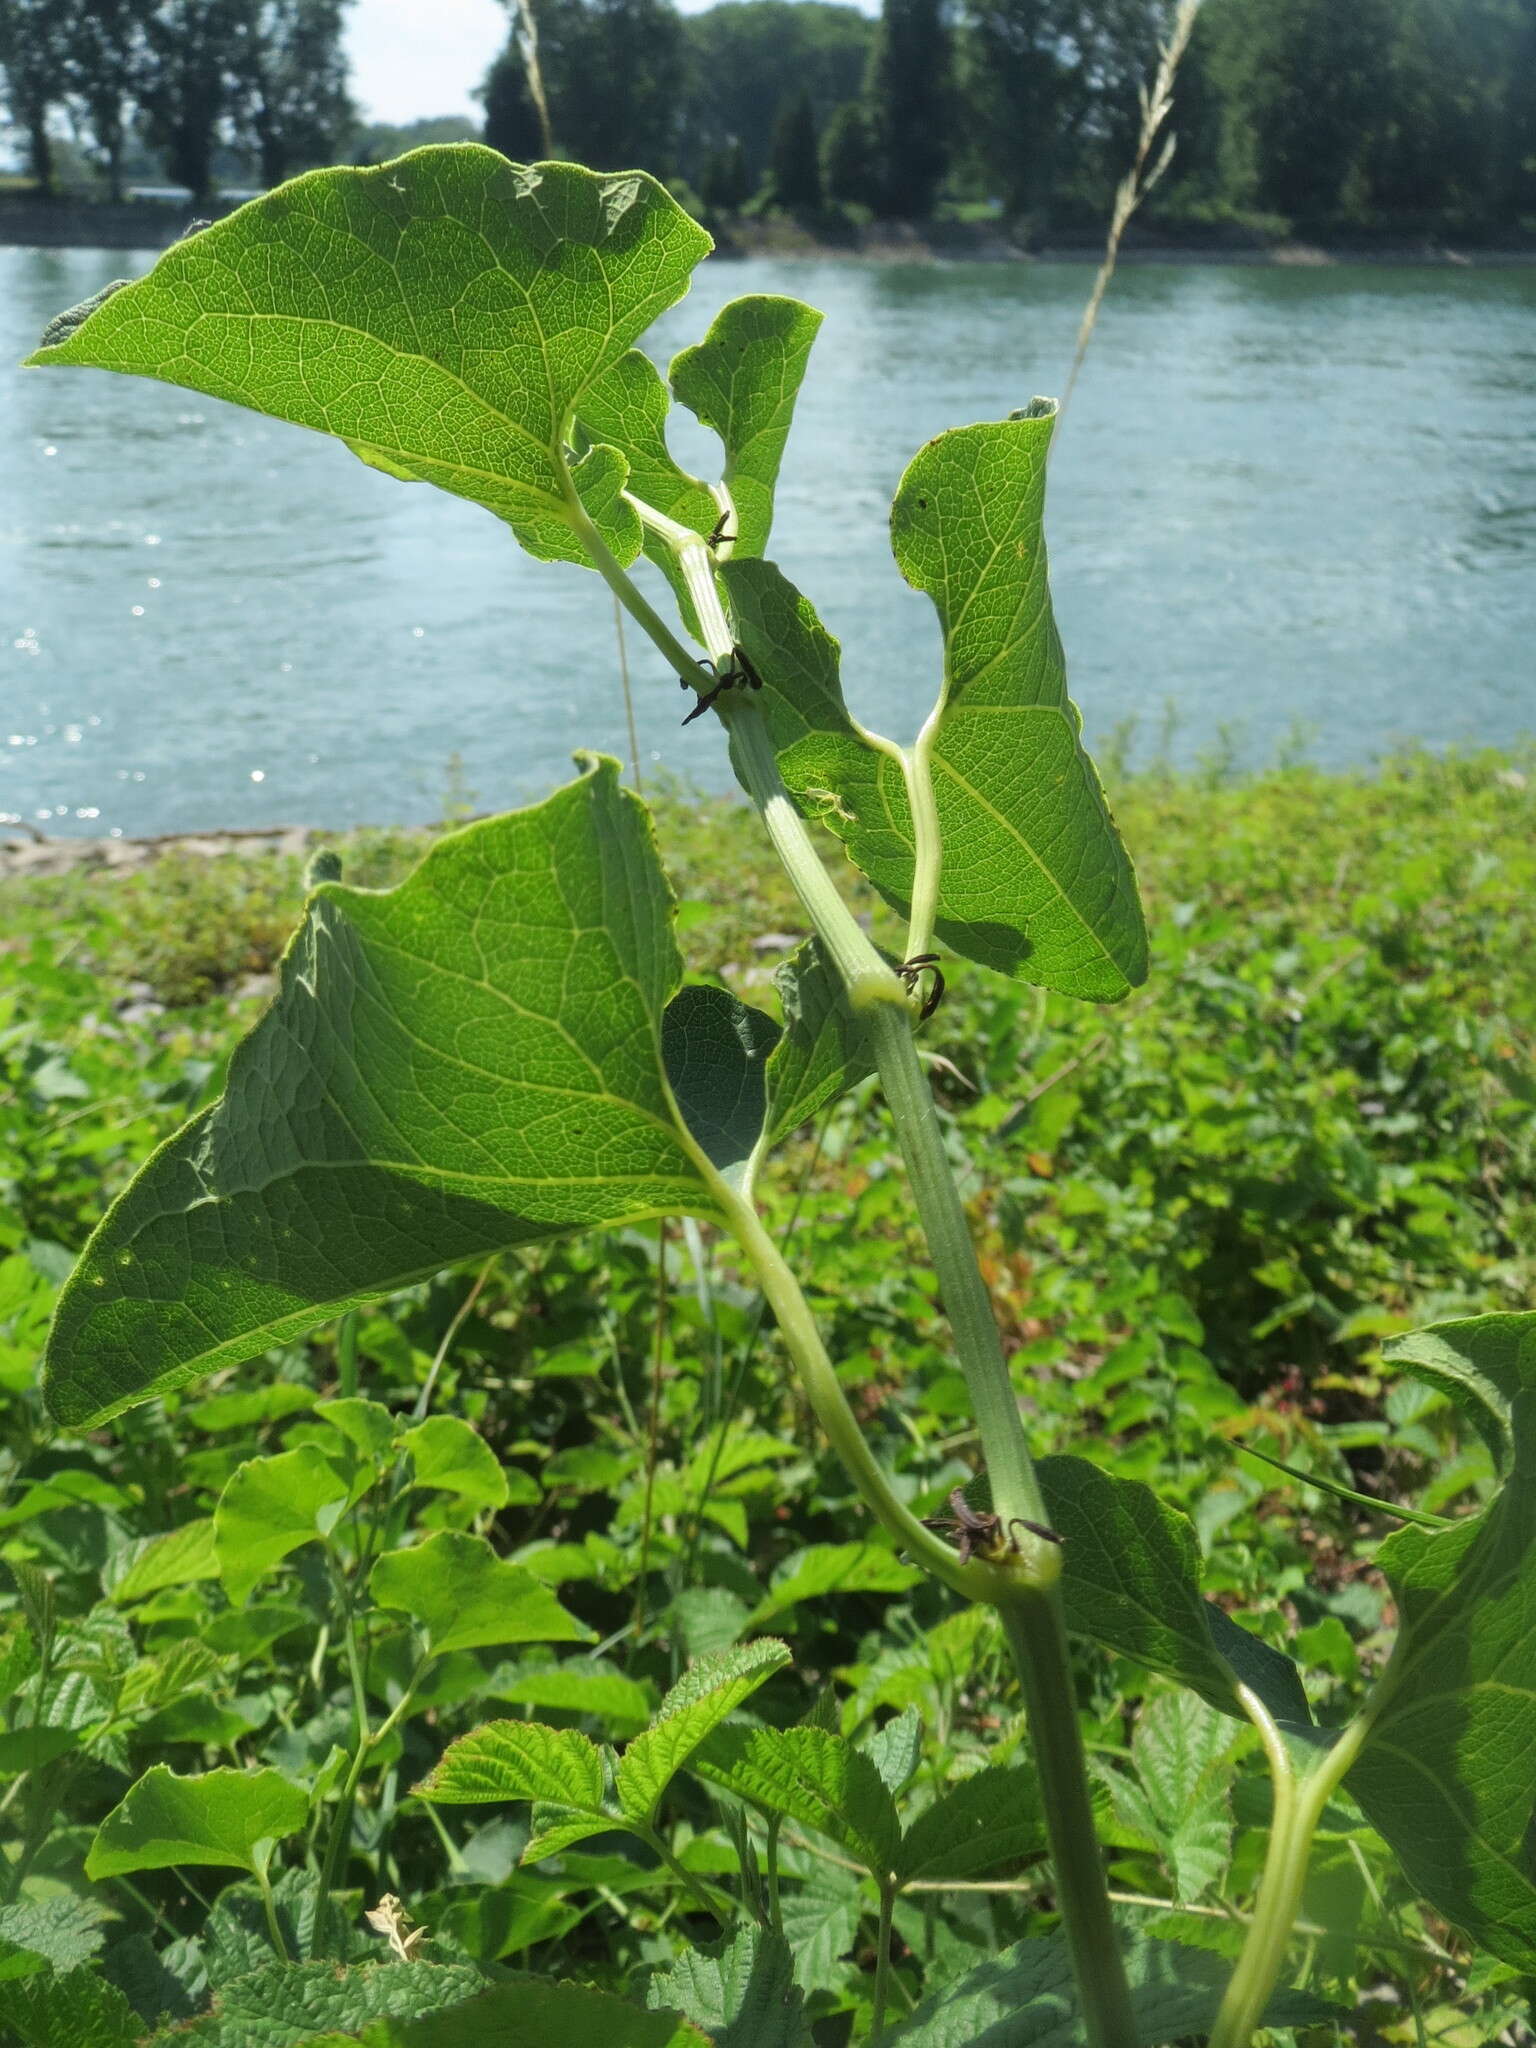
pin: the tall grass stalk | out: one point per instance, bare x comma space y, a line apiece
1146, 169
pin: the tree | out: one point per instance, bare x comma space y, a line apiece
749, 58
848, 169
193, 52
289, 86
795, 161
1318, 86
725, 184
34, 36
511, 118
103, 54
909, 94
611, 70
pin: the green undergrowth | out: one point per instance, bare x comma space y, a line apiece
1199, 1213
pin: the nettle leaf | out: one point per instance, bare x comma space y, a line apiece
1131, 1580
1480, 1364
533, 2012
895, 1749
464, 1597
226, 1817
518, 1760
1181, 1750
742, 1992
707, 1692
743, 379
813, 1777
823, 1568
1026, 1998
79, 2008
448, 1455
469, 1061
1445, 1774
985, 1821
443, 315
295, 2005
271, 1506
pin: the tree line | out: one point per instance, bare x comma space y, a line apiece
1317, 114
188, 79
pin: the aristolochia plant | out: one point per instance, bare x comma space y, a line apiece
499, 1050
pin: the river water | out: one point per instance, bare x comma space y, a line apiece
1283, 500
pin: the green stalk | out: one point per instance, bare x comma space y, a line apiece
700, 1892
270, 1906
882, 1963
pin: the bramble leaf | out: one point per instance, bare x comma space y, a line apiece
984, 1822
464, 1597
1025, 1998
469, 1061
1480, 1364
1131, 1580
709, 1690
1445, 1773
442, 314
519, 1760
228, 1818
813, 1777
742, 379
271, 1506
309, 2005
741, 1991
534, 2012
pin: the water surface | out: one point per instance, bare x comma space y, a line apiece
1281, 496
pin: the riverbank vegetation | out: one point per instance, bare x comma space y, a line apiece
1348, 120
1200, 1216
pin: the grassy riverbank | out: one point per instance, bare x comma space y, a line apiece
1199, 1214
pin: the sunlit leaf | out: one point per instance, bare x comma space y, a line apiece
982, 1824
226, 1817
447, 1454
742, 1992
813, 1777
270, 1507
709, 1690
824, 1568
464, 1597
1480, 1363
519, 1760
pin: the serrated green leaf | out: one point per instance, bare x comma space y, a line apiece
1480, 1364
743, 379
468, 1061
820, 1915
709, 1690
1180, 1749
823, 1048
519, 1760
442, 315
984, 1822
813, 1777
741, 1992
178, 1558
823, 1568
464, 1597
1445, 1774
716, 1049
63, 1930
535, 2012
896, 1749
270, 1507
223, 1818
79, 2009
448, 1455
1026, 1998
1131, 1580
291, 2005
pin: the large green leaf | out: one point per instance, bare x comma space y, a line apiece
710, 1689
468, 1061
227, 1818
823, 1568
1034, 879
519, 1760
813, 1777
78, 2009
1131, 1580
448, 1455
465, 1597
1025, 1998
442, 314
984, 1822
742, 379
271, 1506
1446, 1773
1480, 1363
716, 1049
291, 2005
535, 2012
742, 1992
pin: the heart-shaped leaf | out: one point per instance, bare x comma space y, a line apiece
1445, 1773
443, 314
469, 1061
464, 1597
271, 1506
227, 1818
709, 1690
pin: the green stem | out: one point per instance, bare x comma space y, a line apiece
1038, 1638
1299, 1803
686, 1878
270, 1906
644, 614
346, 1355
771, 1863
927, 849
882, 1963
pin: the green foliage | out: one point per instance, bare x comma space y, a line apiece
232, 1818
